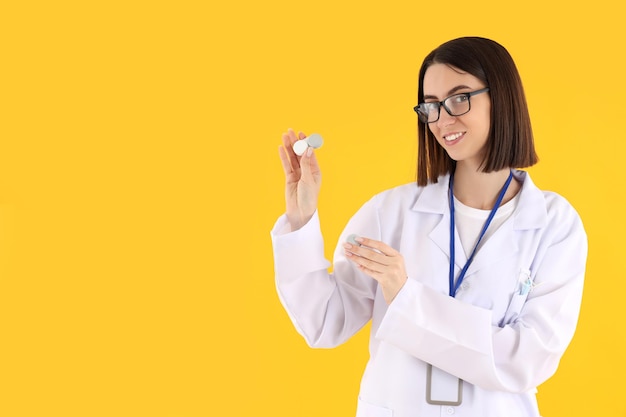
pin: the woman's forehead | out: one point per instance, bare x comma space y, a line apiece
440, 79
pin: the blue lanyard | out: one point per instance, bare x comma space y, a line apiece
453, 287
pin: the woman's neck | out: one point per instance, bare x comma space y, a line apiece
480, 190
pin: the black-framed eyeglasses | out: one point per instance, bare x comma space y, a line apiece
455, 105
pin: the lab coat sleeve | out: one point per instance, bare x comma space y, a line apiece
464, 340
325, 308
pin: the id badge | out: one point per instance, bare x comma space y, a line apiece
443, 388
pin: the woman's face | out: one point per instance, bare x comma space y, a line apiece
463, 137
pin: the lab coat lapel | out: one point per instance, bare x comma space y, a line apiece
434, 200
499, 247
503, 244
441, 236
530, 214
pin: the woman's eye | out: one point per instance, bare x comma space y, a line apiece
461, 98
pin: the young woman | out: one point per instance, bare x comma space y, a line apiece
472, 277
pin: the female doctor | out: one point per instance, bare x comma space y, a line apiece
472, 277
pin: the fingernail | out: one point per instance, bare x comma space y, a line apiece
309, 151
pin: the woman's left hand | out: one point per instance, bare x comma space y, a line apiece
381, 262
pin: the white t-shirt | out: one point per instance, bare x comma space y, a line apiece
469, 222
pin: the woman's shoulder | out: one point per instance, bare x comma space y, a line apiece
406, 196
397, 195
552, 199
555, 207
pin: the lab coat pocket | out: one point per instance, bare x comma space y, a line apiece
369, 410
524, 286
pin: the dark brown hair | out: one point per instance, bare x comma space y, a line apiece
510, 143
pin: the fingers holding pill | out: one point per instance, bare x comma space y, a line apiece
314, 141
379, 261
302, 178
352, 239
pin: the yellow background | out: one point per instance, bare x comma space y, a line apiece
139, 179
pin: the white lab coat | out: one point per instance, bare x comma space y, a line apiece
500, 343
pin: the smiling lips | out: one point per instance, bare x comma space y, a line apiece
452, 137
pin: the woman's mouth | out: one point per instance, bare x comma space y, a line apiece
452, 137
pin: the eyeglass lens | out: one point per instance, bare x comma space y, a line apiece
456, 105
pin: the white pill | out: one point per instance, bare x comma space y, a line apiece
315, 140
300, 147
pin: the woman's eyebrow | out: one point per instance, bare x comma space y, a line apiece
451, 92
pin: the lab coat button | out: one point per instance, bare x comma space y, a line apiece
465, 286
450, 411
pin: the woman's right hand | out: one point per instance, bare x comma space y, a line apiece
303, 180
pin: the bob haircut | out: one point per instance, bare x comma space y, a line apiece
510, 142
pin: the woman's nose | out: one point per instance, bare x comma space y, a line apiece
444, 118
